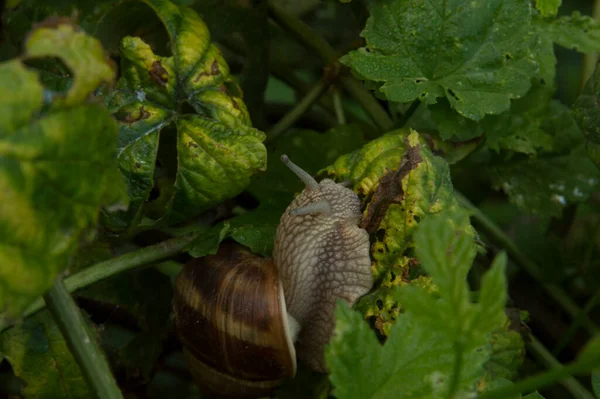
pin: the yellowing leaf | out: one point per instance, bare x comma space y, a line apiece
51, 185
193, 92
80, 52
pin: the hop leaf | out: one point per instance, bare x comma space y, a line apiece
476, 54
217, 149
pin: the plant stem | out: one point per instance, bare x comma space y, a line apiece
301, 107
458, 361
568, 335
543, 355
339, 108
409, 113
310, 39
81, 343
111, 267
536, 382
302, 32
369, 103
496, 234
589, 60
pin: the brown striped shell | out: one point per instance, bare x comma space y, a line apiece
230, 315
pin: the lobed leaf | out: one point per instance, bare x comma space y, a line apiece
39, 355
548, 8
51, 187
476, 54
545, 186
577, 32
418, 359
217, 149
400, 182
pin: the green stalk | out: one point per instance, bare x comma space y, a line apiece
590, 60
458, 361
369, 103
81, 343
103, 270
543, 356
497, 235
568, 335
339, 108
302, 32
305, 35
299, 109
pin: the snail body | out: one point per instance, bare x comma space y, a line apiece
238, 315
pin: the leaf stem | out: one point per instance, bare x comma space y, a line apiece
301, 107
497, 235
81, 343
558, 372
409, 113
568, 335
304, 34
543, 355
458, 361
590, 60
103, 270
338, 106
369, 103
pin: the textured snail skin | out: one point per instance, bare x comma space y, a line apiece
322, 256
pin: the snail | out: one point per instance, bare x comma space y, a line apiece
243, 318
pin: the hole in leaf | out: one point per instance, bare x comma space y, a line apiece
379, 304
133, 19
507, 57
380, 234
54, 75
417, 218
392, 277
451, 92
186, 108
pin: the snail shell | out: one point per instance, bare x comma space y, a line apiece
230, 315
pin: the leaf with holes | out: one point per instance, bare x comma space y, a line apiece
476, 54
193, 92
51, 186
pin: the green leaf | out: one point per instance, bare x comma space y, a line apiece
217, 150
589, 358
40, 356
250, 22
400, 182
415, 362
276, 187
596, 383
423, 51
587, 113
69, 44
533, 395
548, 8
208, 242
51, 187
451, 125
446, 252
535, 124
508, 353
545, 186
577, 32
